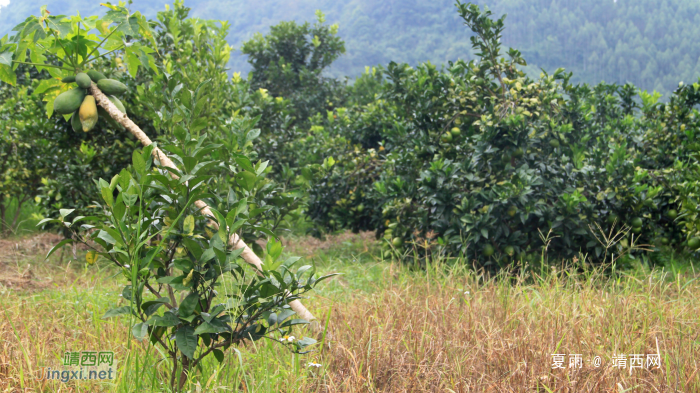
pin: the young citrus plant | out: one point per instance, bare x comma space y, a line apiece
174, 222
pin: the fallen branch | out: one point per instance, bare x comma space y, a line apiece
235, 241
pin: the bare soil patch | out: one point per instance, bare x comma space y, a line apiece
15, 273
308, 246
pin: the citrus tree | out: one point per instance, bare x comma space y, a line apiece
23, 148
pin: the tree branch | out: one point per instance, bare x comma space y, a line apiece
155, 292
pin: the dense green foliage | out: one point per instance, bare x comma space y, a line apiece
23, 146
289, 61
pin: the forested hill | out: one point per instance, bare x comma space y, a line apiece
651, 43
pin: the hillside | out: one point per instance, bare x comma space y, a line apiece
646, 42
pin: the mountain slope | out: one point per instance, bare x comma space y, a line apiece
646, 42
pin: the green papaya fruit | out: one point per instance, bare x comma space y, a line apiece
117, 103
88, 113
96, 76
111, 86
104, 115
68, 79
69, 101
83, 80
75, 122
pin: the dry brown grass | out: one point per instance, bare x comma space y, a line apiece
416, 335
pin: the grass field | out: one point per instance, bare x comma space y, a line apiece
384, 328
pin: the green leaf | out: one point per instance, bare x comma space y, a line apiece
6, 59
152, 306
219, 355
289, 262
242, 206
183, 264
57, 246
139, 163
306, 341
327, 276
180, 132
246, 180
245, 163
207, 255
272, 319
286, 313
199, 124
169, 279
295, 322
186, 341
167, 320
303, 270
107, 196
140, 330
46, 84
206, 328
156, 334
8, 76
193, 247
132, 61
117, 311
106, 237
484, 233
188, 305
44, 221
188, 225
65, 212
59, 25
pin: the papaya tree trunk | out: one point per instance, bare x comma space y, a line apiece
235, 241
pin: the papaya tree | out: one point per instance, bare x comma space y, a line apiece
172, 222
